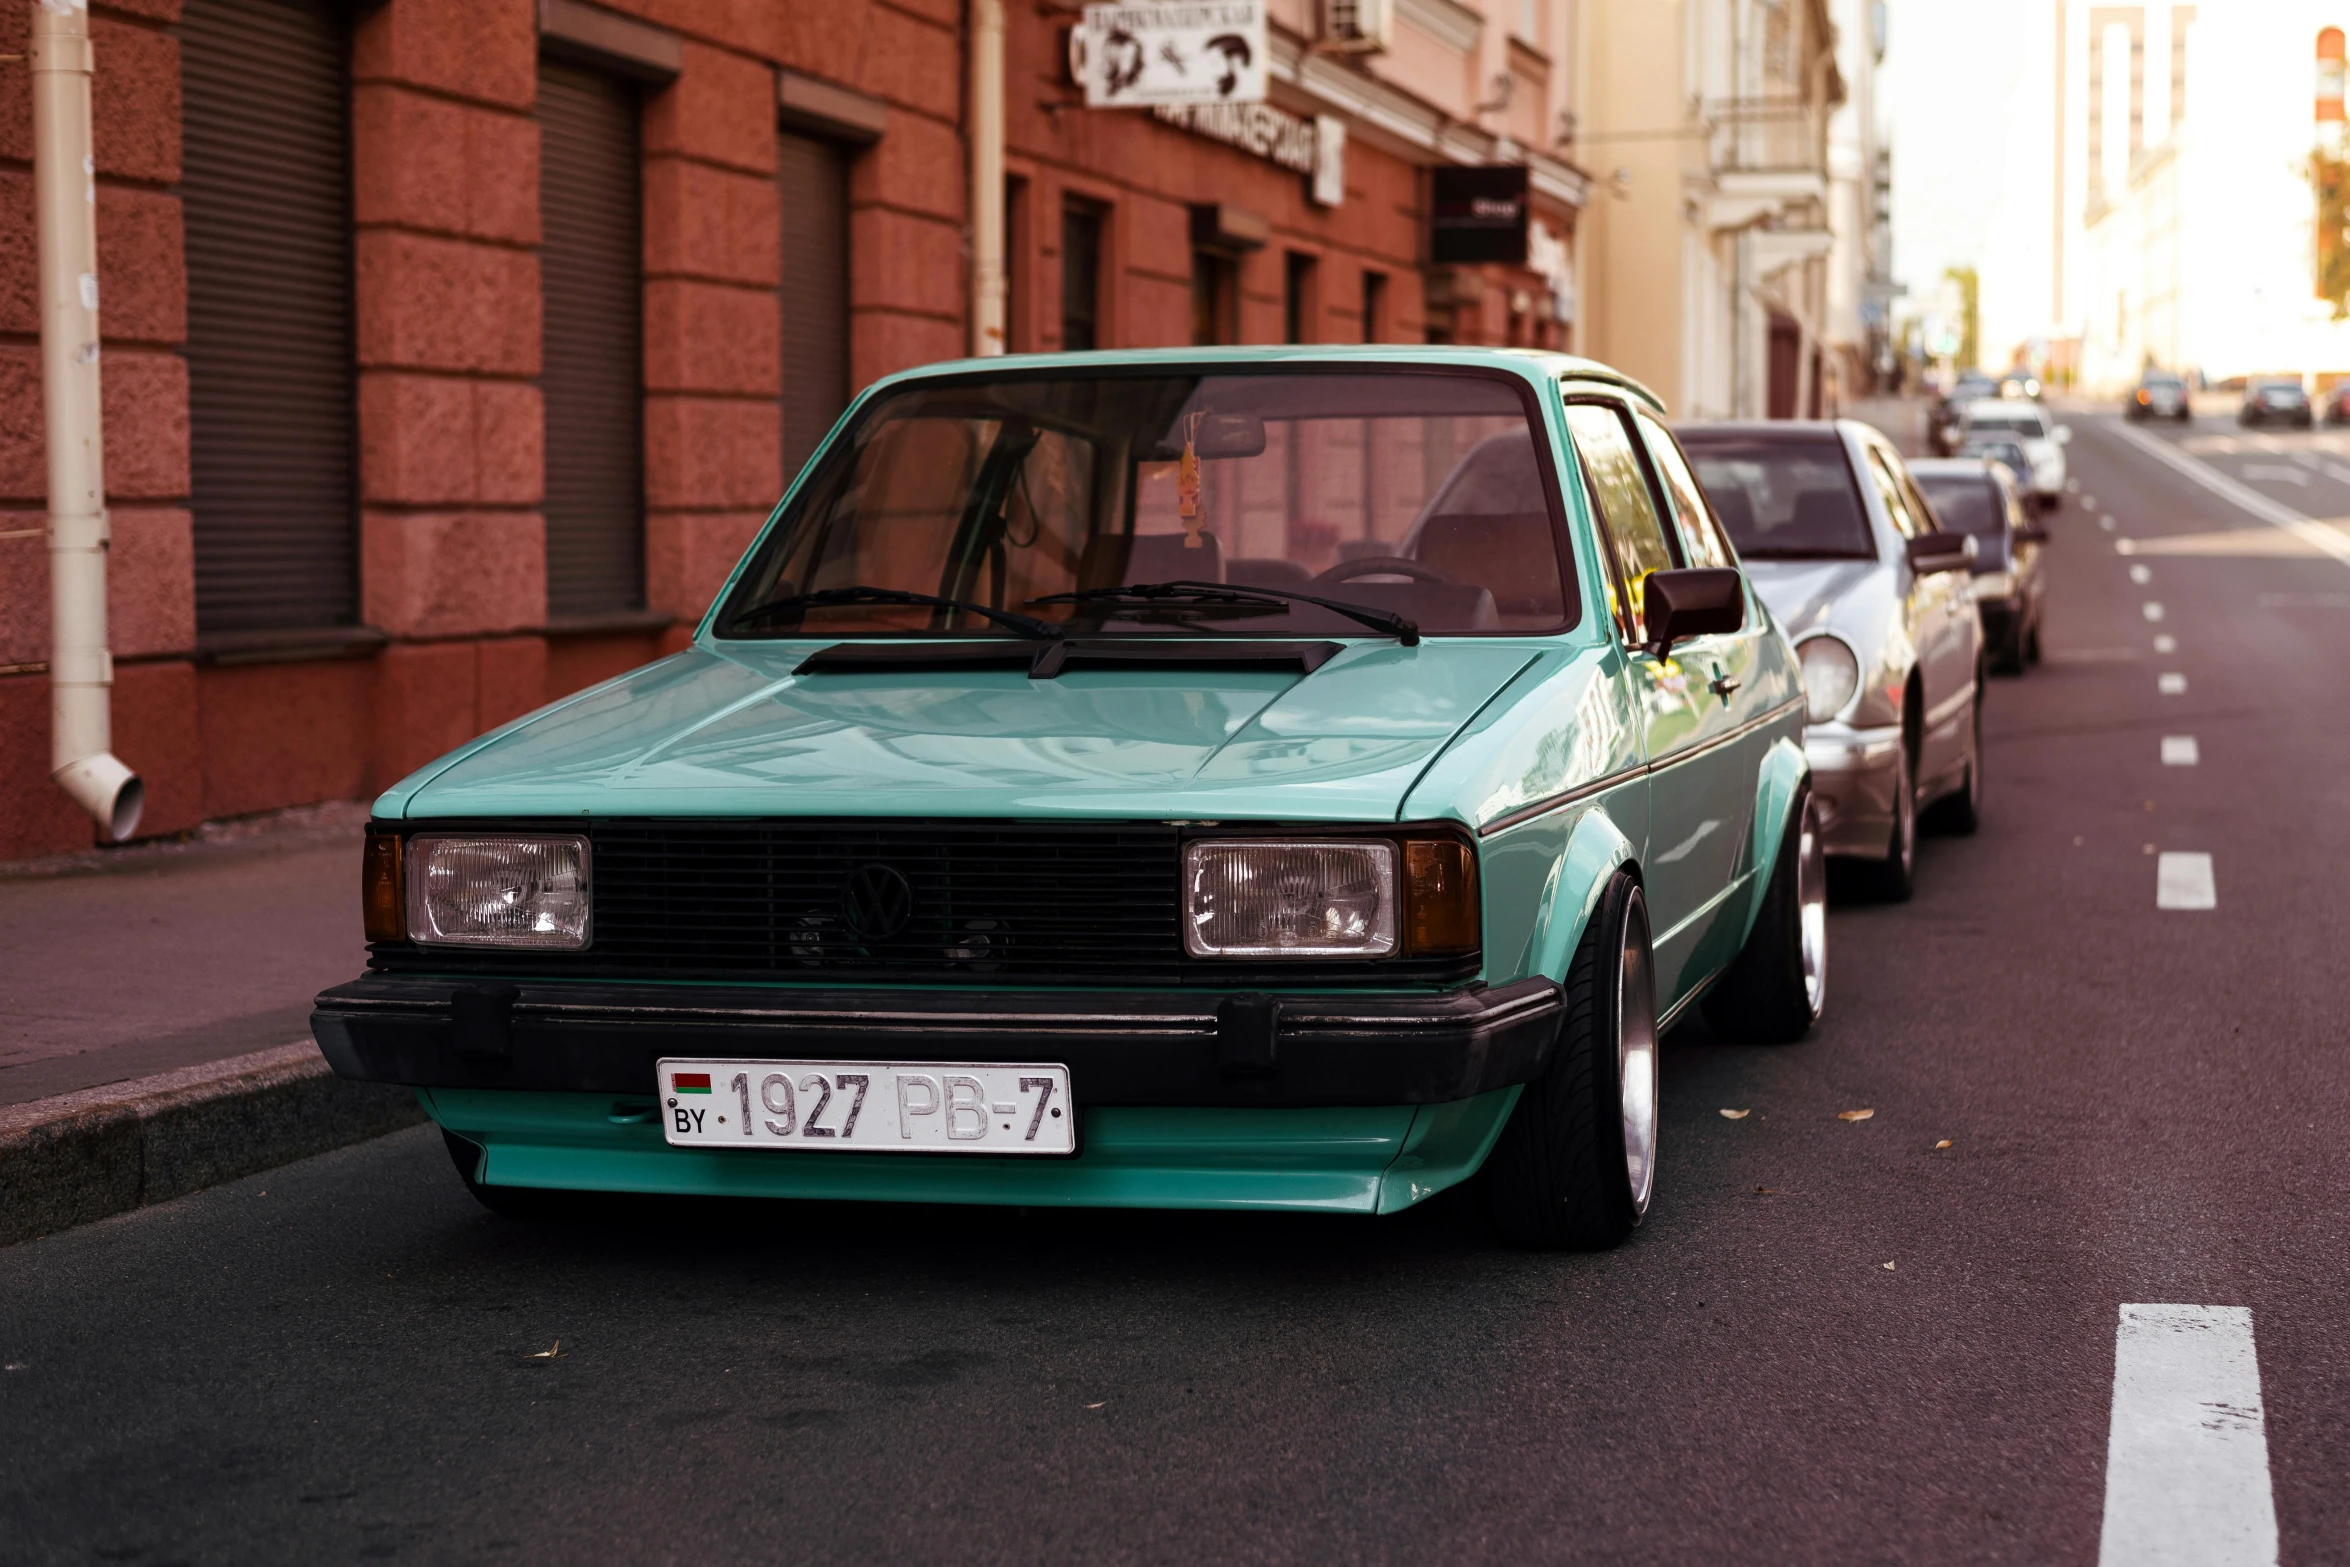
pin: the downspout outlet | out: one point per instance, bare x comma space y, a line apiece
109, 791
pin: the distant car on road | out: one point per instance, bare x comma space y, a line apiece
2335, 405
1875, 595
1949, 410
2275, 399
2020, 383
1978, 497
2041, 437
2158, 395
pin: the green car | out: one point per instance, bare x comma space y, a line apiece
1255, 778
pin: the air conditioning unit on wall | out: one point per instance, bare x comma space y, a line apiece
1357, 26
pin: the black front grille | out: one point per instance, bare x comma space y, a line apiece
990, 903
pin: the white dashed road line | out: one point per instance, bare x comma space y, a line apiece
2186, 1458
2172, 684
2180, 751
2141, 575
2107, 523
2183, 881
2166, 643
2153, 611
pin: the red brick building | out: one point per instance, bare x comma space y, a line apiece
453, 349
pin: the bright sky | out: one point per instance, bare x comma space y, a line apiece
1965, 90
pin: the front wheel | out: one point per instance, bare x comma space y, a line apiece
1777, 987
1574, 1166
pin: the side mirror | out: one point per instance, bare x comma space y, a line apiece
2064, 434
1934, 552
2031, 535
1682, 604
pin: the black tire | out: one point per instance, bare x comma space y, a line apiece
1558, 1177
2009, 660
1774, 990
508, 1202
1961, 811
2032, 643
1893, 878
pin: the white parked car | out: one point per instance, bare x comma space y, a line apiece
2043, 441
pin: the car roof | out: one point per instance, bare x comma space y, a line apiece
1530, 362
1748, 429
1950, 467
2001, 405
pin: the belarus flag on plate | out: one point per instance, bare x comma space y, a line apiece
690, 1082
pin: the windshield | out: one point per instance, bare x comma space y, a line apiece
1420, 494
2021, 421
1965, 504
1782, 498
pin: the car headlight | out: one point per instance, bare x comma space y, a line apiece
1301, 898
1831, 673
483, 890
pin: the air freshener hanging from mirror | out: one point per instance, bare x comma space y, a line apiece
1187, 482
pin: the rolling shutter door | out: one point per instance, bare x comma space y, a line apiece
265, 190
815, 180
593, 376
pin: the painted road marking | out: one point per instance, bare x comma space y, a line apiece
2186, 1458
2171, 684
2166, 643
2274, 473
2274, 512
2088, 503
2107, 523
2180, 751
2072, 486
2183, 881
2141, 575
2153, 611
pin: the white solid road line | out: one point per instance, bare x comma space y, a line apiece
2273, 512
2180, 751
2172, 684
2183, 881
2186, 1458
2141, 575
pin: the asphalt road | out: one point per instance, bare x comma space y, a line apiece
344, 1358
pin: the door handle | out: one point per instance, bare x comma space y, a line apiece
1722, 686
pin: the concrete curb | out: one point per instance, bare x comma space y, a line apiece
81, 1156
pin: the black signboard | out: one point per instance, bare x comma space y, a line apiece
1479, 214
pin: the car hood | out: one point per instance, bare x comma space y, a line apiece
737, 733
1817, 595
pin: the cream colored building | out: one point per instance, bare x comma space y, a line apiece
1707, 241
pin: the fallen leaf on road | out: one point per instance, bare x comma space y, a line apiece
16, 1365
1766, 1191
1854, 1115
1733, 1115
1888, 1267
548, 1354
1944, 1143
1097, 1406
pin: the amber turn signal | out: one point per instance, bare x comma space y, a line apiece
382, 904
1441, 913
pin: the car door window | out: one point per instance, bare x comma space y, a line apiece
1628, 519
1702, 543
1905, 522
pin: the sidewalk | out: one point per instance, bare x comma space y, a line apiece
156, 999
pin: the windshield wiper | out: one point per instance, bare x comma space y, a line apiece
827, 598
1140, 595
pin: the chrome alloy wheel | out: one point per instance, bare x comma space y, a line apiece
1636, 1054
1811, 904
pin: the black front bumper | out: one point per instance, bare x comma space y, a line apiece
1121, 1047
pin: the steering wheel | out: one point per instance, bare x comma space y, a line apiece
1387, 566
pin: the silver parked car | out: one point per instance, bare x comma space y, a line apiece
1879, 604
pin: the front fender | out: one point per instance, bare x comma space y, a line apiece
1778, 781
1595, 850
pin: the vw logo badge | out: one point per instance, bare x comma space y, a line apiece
876, 902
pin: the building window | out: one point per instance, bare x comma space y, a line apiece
1298, 299
1081, 274
1374, 306
813, 174
265, 195
590, 272
1215, 298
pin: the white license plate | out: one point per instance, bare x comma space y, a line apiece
867, 1107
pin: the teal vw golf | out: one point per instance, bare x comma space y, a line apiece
1252, 778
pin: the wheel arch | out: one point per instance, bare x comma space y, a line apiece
1779, 782
1596, 850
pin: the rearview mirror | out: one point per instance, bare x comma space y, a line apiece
1216, 435
1933, 552
1681, 604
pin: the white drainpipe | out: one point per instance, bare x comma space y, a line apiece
987, 177
81, 671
